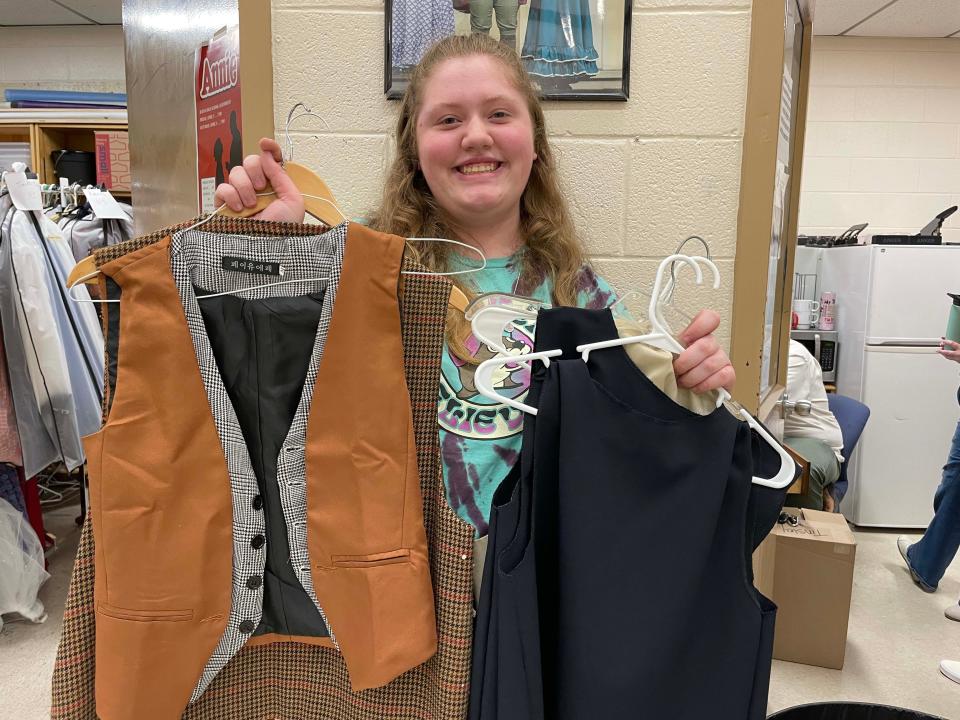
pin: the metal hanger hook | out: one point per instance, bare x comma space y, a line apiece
673, 265
294, 115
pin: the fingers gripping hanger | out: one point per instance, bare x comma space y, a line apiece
483, 376
318, 199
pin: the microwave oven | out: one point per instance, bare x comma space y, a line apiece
823, 345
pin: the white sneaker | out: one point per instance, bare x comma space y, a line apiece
903, 544
951, 669
953, 612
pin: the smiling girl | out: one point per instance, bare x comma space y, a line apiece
474, 163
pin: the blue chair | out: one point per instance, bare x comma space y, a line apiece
852, 415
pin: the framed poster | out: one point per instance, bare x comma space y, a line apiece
573, 49
219, 115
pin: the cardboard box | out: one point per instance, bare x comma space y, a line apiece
113, 160
807, 570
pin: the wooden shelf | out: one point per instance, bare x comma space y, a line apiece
57, 129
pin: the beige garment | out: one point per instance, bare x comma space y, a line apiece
657, 366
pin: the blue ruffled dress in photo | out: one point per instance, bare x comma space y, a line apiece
559, 39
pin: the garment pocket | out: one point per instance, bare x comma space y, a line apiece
390, 557
145, 615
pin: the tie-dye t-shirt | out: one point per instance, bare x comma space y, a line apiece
479, 438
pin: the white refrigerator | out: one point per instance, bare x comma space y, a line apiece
892, 309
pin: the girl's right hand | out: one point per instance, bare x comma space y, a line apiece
949, 349
247, 180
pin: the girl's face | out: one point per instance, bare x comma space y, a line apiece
475, 139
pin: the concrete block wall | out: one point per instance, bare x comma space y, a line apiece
883, 135
78, 57
640, 175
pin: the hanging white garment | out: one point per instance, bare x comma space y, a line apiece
57, 391
87, 234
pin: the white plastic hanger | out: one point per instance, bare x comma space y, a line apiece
483, 377
660, 337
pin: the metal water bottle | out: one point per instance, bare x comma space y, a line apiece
953, 319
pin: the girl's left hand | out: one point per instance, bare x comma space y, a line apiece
703, 366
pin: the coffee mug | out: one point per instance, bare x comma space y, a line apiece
808, 312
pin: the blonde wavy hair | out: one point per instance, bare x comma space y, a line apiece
409, 209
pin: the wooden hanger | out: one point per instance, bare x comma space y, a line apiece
317, 199
318, 202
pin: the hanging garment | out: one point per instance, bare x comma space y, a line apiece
80, 330
50, 343
306, 677
657, 366
618, 581
86, 234
559, 39
10, 450
416, 25
10, 489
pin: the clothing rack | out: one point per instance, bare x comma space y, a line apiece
47, 404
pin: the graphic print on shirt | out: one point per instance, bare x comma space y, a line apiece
480, 439
463, 411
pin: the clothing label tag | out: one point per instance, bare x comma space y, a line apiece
104, 205
24, 193
254, 267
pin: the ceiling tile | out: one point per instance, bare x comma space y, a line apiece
832, 17
105, 12
37, 12
913, 18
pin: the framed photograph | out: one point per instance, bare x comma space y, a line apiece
573, 49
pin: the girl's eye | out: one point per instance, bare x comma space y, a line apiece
448, 120
501, 115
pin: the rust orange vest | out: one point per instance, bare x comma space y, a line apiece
161, 498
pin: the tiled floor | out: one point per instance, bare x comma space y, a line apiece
897, 637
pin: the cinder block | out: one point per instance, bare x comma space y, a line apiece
680, 188
923, 140
927, 69
353, 166
594, 178
941, 104
883, 175
872, 104
826, 102
939, 176
847, 139
333, 62
825, 173
851, 69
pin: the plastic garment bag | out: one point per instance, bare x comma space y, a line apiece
21, 566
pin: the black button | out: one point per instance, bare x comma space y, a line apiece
257, 502
257, 542
254, 581
247, 627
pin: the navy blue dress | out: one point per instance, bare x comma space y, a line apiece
618, 580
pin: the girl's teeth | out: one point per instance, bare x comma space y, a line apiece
473, 169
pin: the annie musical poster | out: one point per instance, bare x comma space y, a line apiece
219, 127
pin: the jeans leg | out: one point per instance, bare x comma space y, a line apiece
931, 556
507, 21
481, 16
